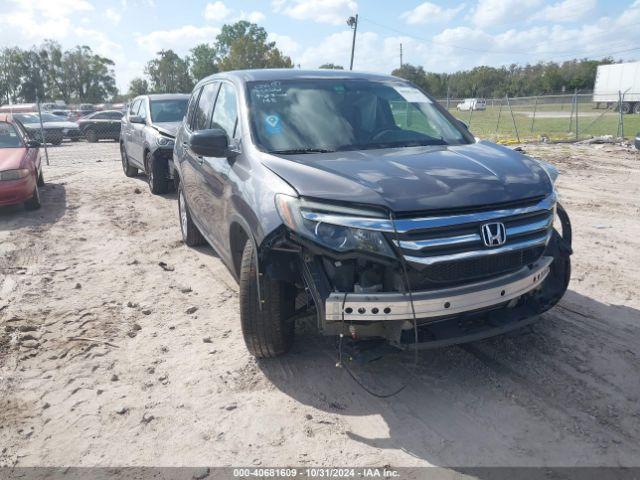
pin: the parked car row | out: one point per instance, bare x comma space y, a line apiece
313, 191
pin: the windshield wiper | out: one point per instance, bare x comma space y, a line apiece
294, 151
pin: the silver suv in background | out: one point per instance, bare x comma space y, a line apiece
147, 135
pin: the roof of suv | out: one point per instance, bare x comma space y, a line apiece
295, 74
167, 96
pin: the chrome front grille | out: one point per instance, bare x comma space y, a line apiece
451, 248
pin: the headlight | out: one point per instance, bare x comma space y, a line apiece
551, 170
164, 141
14, 174
336, 237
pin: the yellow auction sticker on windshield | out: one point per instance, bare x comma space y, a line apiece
412, 95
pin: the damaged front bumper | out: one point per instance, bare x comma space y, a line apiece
358, 307
420, 304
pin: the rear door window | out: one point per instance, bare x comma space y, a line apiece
193, 102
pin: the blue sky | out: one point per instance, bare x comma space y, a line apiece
441, 36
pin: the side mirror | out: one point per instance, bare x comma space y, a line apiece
136, 119
210, 143
33, 144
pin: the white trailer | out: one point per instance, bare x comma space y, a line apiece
616, 78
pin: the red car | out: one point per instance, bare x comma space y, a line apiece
20, 165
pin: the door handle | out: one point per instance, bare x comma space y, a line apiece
200, 159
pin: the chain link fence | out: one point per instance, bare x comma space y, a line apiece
548, 118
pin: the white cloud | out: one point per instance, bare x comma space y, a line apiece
216, 11
100, 43
428, 12
113, 16
253, 17
179, 39
567, 11
488, 13
286, 44
33, 19
322, 11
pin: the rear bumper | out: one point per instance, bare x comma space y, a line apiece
17, 191
368, 307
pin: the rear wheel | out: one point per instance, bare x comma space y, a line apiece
156, 175
191, 236
636, 108
268, 332
128, 170
34, 202
56, 141
91, 135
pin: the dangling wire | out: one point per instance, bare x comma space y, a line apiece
415, 328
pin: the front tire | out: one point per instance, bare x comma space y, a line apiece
40, 181
91, 135
267, 332
191, 236
156, 175
34, 202
128, 170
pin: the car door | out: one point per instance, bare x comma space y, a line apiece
192, 166
215, 170
137, 135
128, 127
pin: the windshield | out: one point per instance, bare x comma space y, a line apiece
9, 137
305, 116
168, 110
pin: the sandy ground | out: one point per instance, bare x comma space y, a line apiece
108, 359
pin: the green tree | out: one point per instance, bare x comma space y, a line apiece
331, 66
138, 86
10, 74
169, 73
203, 61
90, 77
244, 45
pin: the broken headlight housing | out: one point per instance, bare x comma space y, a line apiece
327, 225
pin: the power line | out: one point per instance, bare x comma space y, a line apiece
490, 52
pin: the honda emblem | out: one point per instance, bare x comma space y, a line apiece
494, 234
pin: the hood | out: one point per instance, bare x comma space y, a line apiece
11, 158
63, 124
167, 128
416, 178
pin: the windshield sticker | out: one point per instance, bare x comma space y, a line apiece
412, 95
272, 124
268, 92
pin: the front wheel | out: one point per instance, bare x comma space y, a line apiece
156, 175
636, 108
34, 202
91, 136
268, 332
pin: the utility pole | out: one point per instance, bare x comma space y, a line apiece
353, 23
401, 55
